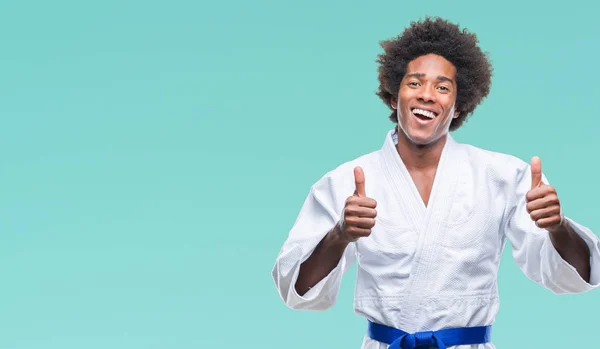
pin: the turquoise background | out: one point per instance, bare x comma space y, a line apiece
154, 156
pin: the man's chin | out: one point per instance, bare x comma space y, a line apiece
423, 140
421, 137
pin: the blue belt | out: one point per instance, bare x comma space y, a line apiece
398, 339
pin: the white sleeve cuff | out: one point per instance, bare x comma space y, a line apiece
564, 276
329, 284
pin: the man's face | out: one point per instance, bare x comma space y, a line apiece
426, 99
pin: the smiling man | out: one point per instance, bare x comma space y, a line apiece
426, 218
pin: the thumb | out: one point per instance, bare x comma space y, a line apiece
359, 181
536, 172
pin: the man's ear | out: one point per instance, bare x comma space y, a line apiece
394, 102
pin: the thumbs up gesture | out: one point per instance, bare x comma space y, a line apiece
359, 212
542, 201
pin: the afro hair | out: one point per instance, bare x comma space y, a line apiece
441, 37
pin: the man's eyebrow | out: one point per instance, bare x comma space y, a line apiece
444, 78
420, 75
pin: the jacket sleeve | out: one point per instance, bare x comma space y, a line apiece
533, 250
318, 215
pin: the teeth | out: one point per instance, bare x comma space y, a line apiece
424, 113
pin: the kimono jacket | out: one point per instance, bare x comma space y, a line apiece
435, 266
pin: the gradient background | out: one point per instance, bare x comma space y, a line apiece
155, 154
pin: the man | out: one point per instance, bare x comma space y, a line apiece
425, 217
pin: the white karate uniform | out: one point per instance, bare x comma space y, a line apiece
425, 268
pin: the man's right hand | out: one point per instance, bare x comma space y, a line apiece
359, 212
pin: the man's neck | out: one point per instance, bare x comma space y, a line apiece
420, 157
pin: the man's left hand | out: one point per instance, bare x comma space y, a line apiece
543, 204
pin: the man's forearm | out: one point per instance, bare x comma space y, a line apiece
322, 261
571, 247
